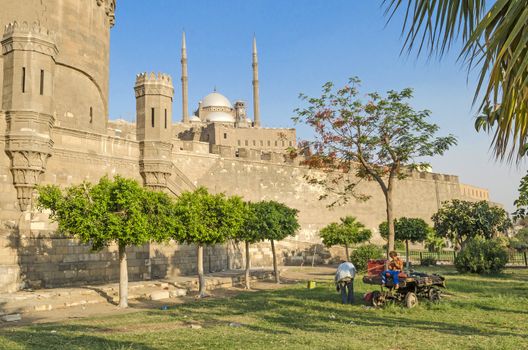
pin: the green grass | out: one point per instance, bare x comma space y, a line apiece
482, 312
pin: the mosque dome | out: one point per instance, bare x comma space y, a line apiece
221, 117
216, 100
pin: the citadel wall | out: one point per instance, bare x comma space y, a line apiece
82, 29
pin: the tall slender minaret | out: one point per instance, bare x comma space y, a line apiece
185, 82
256, 102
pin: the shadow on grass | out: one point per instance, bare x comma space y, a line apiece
56, 336
284, 311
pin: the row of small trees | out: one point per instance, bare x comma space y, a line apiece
122, 212
457, 221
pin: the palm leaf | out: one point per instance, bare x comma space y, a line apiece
496, 43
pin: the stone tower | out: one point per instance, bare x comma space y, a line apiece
256, 97
185, 82
29, 53
154, 95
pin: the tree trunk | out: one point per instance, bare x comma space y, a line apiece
123, 277
200, 267
346, 252
390, 221
248, 267
407, 253
275, 268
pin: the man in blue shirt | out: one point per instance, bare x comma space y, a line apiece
344, 280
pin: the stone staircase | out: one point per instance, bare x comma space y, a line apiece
179, 182
12, 305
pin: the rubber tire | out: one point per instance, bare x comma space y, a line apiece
411, 300
434, 295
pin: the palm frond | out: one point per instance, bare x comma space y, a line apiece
495, 43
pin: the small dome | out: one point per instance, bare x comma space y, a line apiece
216, 100
195, 119
221, 117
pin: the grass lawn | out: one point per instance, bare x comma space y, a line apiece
482, 312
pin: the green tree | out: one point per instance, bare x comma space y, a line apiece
519, 241
274, 221
433, 242
459, 221
113, 211
521, 203
207, 219
346, 233
379, 140
495, 41
407, 230
249, 233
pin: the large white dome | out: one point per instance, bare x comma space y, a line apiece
216, 100
221, 117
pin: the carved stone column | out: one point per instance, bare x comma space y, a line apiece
155, 164
28, 145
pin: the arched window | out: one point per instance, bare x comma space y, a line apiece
91, 115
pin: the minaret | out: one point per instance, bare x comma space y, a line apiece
185, 82
256, 103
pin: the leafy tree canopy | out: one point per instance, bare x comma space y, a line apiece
348, 232
208, 219
379, 139
406, 229
459, 221
118, 210
274, 220
250, 230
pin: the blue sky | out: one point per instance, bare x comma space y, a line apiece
302, 44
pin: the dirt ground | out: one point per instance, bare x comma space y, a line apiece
289, 275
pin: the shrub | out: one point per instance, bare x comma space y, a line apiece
428, 261
361, 255
482, 256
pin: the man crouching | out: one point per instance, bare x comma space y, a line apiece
344, 280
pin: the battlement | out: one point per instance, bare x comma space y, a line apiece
25, 29
28, 37
154, 84
153, 78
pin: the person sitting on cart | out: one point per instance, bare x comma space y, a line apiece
344, 280
395, 268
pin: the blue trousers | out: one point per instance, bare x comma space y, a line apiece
394, 275
347, 291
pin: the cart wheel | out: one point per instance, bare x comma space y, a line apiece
434, 294
377, 299
411, 300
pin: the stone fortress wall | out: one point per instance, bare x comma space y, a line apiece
49, 136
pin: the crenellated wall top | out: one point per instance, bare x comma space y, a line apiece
109, 6
153, 78
24, 28
28, 37
154, 84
